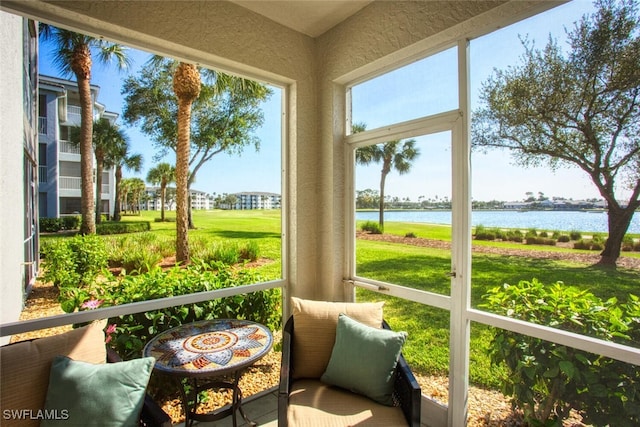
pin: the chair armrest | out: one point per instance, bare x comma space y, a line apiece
406, 390
152, 414
285, 373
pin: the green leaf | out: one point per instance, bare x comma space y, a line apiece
567, 368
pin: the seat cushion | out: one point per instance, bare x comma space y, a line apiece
315, 404
315, 325
25, 368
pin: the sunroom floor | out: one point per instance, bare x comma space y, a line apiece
262, 409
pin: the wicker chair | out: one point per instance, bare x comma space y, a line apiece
327, 400
26, 365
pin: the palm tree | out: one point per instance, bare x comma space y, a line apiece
186, 86
125, 189
123, 159
107, 139
396, 155
136, 188
73, 57
163, 174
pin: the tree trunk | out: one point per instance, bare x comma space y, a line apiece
87, 200
383, 178
190, 215
99, 167
619, 220
116, 205
163, 196
186, 85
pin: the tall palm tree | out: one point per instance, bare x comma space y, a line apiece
123, 159
73, 57
107, 139
163, 174
395, 155
186, 86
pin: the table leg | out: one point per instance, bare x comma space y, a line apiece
191, 395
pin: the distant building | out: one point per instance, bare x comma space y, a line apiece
257, 200
152, 200
59, 189
556, 205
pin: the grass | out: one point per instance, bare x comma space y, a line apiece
427, 348
426, 269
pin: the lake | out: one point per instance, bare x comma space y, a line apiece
541, 220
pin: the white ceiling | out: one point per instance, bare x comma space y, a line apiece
310, 17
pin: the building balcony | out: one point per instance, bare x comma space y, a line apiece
42, 125
69, 147
42, 174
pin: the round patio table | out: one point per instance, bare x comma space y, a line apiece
209, 354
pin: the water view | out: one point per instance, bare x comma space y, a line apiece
541, 220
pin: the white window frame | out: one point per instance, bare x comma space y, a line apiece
458, 302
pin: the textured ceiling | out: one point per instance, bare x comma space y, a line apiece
309, 17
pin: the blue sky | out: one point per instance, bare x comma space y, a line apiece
430, 86
426, 87
252, 171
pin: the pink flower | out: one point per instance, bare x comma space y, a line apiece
92, 304
110, 329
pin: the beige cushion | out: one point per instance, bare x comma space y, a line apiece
315, 325
313, 404
25, 367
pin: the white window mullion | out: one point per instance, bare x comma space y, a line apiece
461, 252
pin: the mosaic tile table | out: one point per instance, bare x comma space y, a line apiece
206, 350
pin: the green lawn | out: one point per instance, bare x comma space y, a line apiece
425, 269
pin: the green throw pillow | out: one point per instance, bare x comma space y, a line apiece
364, 359
86, 394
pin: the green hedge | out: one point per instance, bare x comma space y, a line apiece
122, 227
546, 379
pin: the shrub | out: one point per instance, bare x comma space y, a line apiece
546, 379
563, 238
627, 244
575, 235
227, 251
372, 227
133, 331
166, 219
50, 225
74, 262
483, 233
249, 251
113, 227
533, 240
514, 236
59, 267
588, 244
411, 235
486, 235
70, 222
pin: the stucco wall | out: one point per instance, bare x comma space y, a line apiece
11, 153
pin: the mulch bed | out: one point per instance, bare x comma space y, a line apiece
576, 256
485, 407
